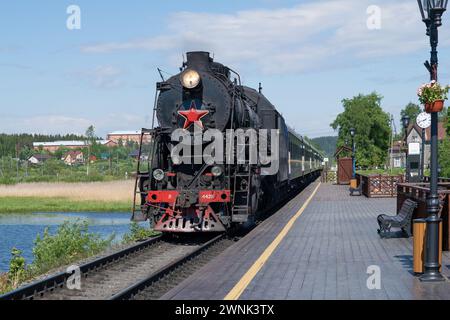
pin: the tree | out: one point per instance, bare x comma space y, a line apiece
25, 153
372, 125
444, 157
447, 122
411, 110
90, 134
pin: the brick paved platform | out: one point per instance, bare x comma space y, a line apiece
325, 255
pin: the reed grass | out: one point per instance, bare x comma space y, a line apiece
96, 191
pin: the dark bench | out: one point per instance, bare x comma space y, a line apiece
403, 220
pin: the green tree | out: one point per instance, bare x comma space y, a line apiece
447, 122
444, 157
411, 110
365, 114
90, 133
25, 153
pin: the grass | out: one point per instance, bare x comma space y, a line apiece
4, 283
35, 204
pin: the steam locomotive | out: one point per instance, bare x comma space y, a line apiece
183, 193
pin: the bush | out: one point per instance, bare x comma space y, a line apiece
17, 270
138, 233
71, 242
4, 283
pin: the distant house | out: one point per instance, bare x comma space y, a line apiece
124, 136
415, 135
107, 143
39, 158
56, 145
397, 154
73, 157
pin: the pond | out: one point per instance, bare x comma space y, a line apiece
20, 230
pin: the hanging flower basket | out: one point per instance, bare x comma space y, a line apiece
433, 95
436, 106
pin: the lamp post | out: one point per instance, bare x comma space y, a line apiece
431, 11
405, 122
422, 157
352, 134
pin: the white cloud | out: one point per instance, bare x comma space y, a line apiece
60, 124
102, 77
45, 124
316, 35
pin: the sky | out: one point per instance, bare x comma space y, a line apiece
308, 55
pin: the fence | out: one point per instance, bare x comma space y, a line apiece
379, 186
329, 176
427, 179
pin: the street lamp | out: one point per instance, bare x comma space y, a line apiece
431, 11
405, 122
352, 134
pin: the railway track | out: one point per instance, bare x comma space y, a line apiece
146, 270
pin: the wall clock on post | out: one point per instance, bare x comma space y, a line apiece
424, 120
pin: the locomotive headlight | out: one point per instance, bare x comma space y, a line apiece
216, 171
190, 79
158, 174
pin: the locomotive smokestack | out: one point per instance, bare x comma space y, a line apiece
199, 60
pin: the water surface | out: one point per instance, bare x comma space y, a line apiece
20, 230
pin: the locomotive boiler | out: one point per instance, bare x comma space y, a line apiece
177, 190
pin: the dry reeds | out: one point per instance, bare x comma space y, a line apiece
101, 191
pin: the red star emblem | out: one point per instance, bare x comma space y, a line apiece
193, 116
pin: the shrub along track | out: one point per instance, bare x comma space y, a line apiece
127, 272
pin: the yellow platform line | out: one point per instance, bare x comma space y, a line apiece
243, 283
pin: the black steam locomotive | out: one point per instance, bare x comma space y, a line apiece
178, 191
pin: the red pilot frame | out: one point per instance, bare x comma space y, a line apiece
193, 219
205, 196
214, 196
162, 196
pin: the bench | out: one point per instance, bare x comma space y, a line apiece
403, 220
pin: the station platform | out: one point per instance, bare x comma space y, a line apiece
318, 246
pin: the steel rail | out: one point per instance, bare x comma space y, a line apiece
58, 280
136, 288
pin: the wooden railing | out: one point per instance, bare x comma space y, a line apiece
419, 192
441, 180
379, 185
328, 176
